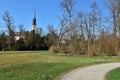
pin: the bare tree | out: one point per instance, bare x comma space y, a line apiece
113, 8
118, 7
9, 24
52, 35
21, 29
68, 7
119, 16
81, 28
40, 31
88, 33
93, 17
63, 28
80, 23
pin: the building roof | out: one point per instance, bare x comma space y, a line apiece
19, 33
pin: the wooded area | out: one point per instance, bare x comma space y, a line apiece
82, 33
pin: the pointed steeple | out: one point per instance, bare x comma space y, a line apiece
34, 18
34, 13
34, 23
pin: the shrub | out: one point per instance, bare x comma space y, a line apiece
54, 49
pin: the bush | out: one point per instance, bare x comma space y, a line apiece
65, 49
54, 49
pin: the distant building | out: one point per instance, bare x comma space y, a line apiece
19, 35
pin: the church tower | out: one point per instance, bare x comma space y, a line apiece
34, 24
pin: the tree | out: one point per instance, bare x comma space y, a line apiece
93, 19
21, 30
63, 28
88, 33
119, 23
113, 6
36, 41
3, 40
68, 7
52, 35
19, 44
9, 24
118, 7
32, 41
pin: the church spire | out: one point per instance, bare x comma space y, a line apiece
34, 14
34, 24
34, 18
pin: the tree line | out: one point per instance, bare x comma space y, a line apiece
82, 33
90, 33
30, 41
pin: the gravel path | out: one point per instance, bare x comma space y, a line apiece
95, 72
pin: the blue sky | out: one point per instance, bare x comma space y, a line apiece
47, 11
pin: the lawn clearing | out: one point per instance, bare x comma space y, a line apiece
113, 75
42, 65
33, 71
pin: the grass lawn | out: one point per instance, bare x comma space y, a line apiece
42, 65
113, 75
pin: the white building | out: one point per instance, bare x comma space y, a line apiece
19, 35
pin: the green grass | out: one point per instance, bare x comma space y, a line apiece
113, 75
32, 71
42, 65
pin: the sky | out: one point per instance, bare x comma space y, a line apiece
47, 11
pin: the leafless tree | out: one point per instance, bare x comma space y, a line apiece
9, 24
93, 17
68, 7
63, 28
22, 30
119, 16
113, 6
88, 33
52, 35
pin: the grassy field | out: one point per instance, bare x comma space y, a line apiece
113, 75
42, 65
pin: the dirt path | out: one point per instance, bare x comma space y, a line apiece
95, 72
